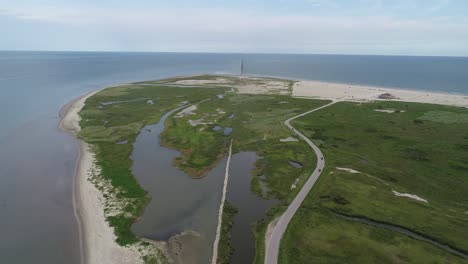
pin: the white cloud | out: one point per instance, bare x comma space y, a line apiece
249, 31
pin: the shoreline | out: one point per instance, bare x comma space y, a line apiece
71, 129
364, 93
316, 89
325, 82
97, 239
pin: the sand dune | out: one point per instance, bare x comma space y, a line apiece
97, 238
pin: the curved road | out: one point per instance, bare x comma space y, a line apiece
273, 242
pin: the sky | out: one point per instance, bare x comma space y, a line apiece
386, 27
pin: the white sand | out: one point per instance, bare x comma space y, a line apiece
389, 111
186, 111
198, 82
294, 185
97, 239
347, 170
266, 87
243, 84
408, 195
289, 139
361, 93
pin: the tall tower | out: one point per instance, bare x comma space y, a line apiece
242, 66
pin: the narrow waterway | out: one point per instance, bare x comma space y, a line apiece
178, 202
405, 232
251, 207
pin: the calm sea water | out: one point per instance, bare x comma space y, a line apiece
37, 160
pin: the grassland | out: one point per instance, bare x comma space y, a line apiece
319, 237
420, 149
118, 114
225, 249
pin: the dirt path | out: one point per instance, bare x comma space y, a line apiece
272, 242
214, 258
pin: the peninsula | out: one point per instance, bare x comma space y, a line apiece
393, 156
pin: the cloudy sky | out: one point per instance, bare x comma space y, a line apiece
394, 27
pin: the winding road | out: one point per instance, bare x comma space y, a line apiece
273, 242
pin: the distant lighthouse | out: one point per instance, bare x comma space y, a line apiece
242, 66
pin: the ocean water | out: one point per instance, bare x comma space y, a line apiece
443, 74
37, 160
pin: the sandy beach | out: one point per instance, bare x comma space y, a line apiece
361, 93
97, 238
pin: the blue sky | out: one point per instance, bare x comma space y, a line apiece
398, 27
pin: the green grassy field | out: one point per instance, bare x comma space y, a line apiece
319, 237
225, 249
420, 149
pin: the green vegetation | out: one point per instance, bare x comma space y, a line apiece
157, 258
446, 117
225, 249
371, 156
257, 125
315, 236
260, 229
413, 151
104, 124
117, 114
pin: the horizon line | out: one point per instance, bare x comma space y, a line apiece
240, 53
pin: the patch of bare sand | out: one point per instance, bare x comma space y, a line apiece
186, 111
361, 93
185, 248
408, 195
197, 82
289, 139
389, 111
243, 84
347, 170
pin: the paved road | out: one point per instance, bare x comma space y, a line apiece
273, 243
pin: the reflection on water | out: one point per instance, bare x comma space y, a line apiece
36, 175
178, 202
295, 164
251, 207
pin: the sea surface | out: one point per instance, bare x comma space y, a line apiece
37, 160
